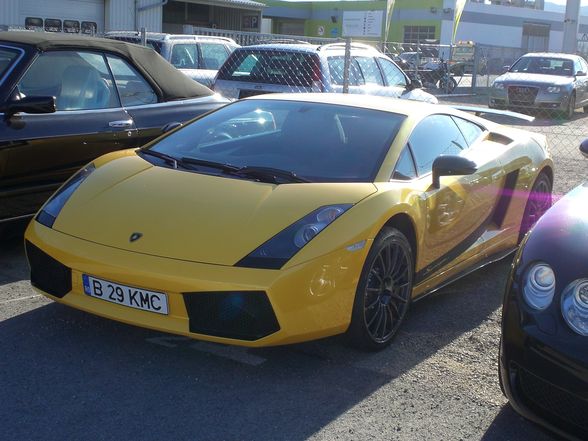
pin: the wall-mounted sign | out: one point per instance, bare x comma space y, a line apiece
362, 23
320, 31
250, 22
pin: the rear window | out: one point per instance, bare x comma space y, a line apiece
7, 58
271, 66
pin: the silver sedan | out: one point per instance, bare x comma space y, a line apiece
543, 81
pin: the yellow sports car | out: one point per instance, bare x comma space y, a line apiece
284, 218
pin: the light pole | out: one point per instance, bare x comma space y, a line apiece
571, 22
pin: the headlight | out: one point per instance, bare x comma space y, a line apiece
274, 253
553, 89
539, 286
574, 306
53, 206
497, 85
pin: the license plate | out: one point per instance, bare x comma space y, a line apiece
132, 297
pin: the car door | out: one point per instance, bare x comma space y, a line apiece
143, 105
394, 78
459, 212
39, 151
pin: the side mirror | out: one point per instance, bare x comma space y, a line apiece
584, 148
505, 69
414, 83
30, 104
451, 165
171, 126
580, 74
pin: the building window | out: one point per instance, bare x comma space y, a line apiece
418, 34
32, 23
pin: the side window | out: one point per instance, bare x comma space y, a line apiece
584, 66
213, 55
184, 56
405, 169
336, 66
132, 87
469, 130
78, 80
369, 69
433, 136
392, 73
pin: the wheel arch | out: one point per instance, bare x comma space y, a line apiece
405, 224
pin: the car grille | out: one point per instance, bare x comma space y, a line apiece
47, 274
557, 402
522, 96
242, 315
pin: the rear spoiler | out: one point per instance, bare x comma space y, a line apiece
480, 110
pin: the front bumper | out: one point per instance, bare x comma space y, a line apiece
544, 368
533, 98
309, 301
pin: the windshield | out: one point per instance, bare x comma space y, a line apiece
7, 57
544, 65
312, 141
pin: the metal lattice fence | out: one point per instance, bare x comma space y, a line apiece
551, 87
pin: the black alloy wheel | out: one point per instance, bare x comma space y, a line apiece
538, 203
383, 293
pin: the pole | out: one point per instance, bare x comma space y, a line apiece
571, 22
347, 65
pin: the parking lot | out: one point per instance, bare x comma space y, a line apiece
71, 375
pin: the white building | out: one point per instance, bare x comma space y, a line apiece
90, 16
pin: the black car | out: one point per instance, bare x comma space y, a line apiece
544, 346
64, 100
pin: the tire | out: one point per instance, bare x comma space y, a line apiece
383, 293
445, 87
538, 203
569, 113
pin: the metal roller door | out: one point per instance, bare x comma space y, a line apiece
77, 10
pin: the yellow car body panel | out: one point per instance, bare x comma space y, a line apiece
201, 225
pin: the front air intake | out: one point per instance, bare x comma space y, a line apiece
47, 274
242, 315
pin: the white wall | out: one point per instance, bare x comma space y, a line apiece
120, 16
9, 12
555, 41
495, 35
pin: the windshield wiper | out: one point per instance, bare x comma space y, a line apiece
211, 164
167, 158
269, 174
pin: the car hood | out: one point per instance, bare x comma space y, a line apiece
534, 79
190, 216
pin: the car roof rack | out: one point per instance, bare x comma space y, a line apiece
342, 45
283, 41
164, 36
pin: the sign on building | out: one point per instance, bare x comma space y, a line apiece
362, 23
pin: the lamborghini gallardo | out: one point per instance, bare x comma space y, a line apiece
284, 218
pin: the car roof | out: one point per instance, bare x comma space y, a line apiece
312, 48
158, 36
386, 104
169, 82
552, 55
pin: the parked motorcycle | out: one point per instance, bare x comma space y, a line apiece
438, 75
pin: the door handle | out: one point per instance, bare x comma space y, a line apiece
121, 124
